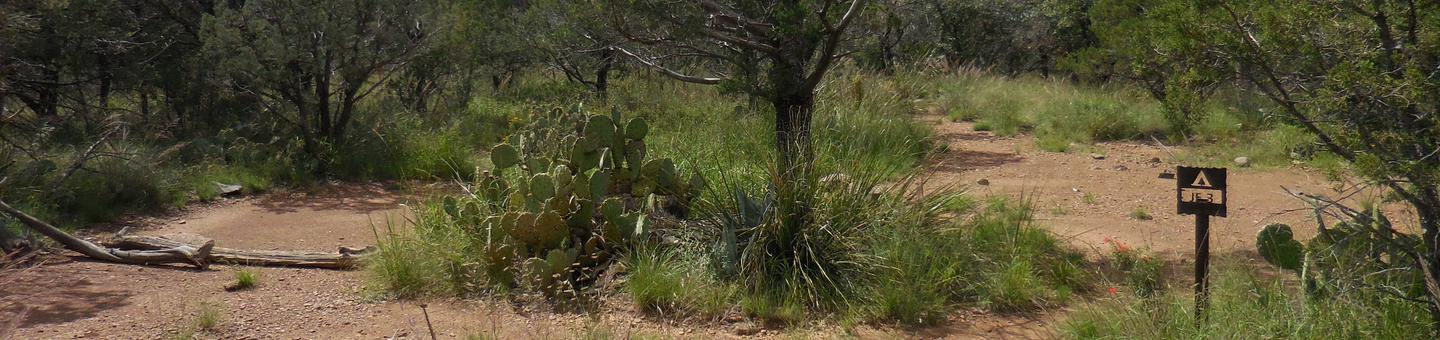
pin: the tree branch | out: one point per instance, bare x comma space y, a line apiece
832, 42
668, 72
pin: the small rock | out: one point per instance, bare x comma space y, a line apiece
982, 181
1121, 168
227, 189
1242, 161
1295, 155
180, 222
1097, 156
1154, 159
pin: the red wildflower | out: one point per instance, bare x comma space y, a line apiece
1113, 291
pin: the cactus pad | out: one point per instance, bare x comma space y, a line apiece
1277, 245
504, 156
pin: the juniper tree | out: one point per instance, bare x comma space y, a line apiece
309, 63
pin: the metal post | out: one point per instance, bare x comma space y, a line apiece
1202, 264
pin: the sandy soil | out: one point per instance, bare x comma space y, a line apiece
1123, 179
75, 298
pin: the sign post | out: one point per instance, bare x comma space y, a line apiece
1201, 192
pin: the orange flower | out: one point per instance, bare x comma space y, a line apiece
1113, 291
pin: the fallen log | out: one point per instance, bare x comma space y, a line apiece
182, 254
345, 258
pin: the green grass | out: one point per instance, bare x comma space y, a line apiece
995, 258
664, 283
868, 252
1057, 111
1248, 305
206, 318
1062, 114
245, 278
436, 257
1140, 214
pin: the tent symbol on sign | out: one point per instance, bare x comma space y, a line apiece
1201, 190
1202, 181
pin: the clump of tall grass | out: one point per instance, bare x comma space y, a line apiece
662, 281
438, 255
993, 257
245, 278
881, 250
1247, 304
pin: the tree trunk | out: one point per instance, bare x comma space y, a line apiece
602, 75
795, 157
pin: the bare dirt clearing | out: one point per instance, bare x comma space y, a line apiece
1091, 195
1078, 195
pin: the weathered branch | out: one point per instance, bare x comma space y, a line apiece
344, 258
149, 250
670, 73
184, 254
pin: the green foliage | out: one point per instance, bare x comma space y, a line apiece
207, 317
1140, 214
1154, 45
568, 193
662, 282
269, 49
995, 258
245, 278
1142, 270
1245, 304
1058, 112
1278, 246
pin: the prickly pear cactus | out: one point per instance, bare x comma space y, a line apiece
565, 199
552, 274
1277, 245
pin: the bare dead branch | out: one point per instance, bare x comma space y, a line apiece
668, 72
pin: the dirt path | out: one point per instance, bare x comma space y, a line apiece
75, 298
1086, 199
1089, 199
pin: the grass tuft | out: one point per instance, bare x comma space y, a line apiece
245, 278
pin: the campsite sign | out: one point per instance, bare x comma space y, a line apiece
1201, 192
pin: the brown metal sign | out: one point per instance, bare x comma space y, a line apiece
1200, 191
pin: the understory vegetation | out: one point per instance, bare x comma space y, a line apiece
769, 159
1247, 303
727, 251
